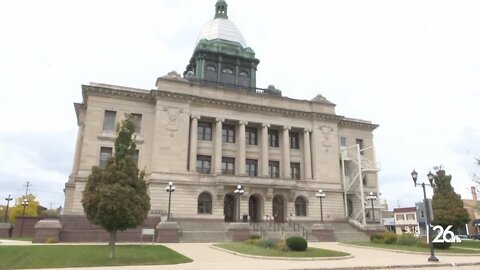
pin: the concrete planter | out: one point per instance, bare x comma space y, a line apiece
47, 231
167, 232
323, 232
5, 230
239, 232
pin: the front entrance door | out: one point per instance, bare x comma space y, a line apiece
253, 208
278, 209
229, 208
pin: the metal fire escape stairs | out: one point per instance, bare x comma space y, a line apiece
355, 166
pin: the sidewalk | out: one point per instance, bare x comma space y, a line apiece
207, 258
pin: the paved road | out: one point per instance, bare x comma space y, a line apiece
207, 258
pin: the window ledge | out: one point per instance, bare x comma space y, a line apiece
111, 136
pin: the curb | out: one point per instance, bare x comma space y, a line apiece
394, 266
284, 258
411, 252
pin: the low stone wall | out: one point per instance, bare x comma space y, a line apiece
374, 229
25, 226
47, 231
80, 229
323, 232
5, 230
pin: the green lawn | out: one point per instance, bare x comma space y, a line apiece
57, 256
468, 244
261, 251
452, 249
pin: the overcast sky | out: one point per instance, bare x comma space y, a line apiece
413, 67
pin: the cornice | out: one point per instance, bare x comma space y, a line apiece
358, 124
123, 92
246, 106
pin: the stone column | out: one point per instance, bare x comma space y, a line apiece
193, 143
307, 161
314, 154
217, 167
264, 151
78, 149
286, 152
241, 149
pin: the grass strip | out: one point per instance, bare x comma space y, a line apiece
58, 256
451, 250
270, 252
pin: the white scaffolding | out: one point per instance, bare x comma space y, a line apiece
355, 166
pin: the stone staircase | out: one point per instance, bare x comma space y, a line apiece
343, 231
202, 231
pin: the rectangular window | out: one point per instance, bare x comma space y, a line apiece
295, 170
228, 166
400, 217
137, 119
294, 140
228, 133
273, 138
360, 145
251, 167
204, 131
343, 141
105, 154
410, 217
203, 164
274, 169
251, 135
109, 121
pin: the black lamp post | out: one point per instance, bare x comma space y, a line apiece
25, 204
170, 188
8, 199
238, 191
372, 197
320, 195
427, 211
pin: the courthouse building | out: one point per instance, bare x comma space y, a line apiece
211, 129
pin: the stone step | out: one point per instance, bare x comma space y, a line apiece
203, 236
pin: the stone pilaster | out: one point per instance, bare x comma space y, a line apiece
307, 161
264, 151
286, 152
217, 167
241, 148
193, 143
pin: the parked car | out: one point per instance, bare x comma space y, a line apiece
463, 237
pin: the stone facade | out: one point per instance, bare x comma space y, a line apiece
212, 130
169, 147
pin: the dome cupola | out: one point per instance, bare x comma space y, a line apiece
221, 53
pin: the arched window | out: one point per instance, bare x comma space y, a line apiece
300, 207
228, 76
211, 73
205, 203
244, 79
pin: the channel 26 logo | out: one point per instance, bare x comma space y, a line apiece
445, 236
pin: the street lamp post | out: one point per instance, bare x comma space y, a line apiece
238, 191
427, 211
372, 197
170, 188
8, 199
320, 195
25, 204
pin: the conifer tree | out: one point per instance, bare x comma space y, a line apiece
116, 197
447, 205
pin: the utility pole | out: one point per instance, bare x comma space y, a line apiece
8, 199
27, 188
